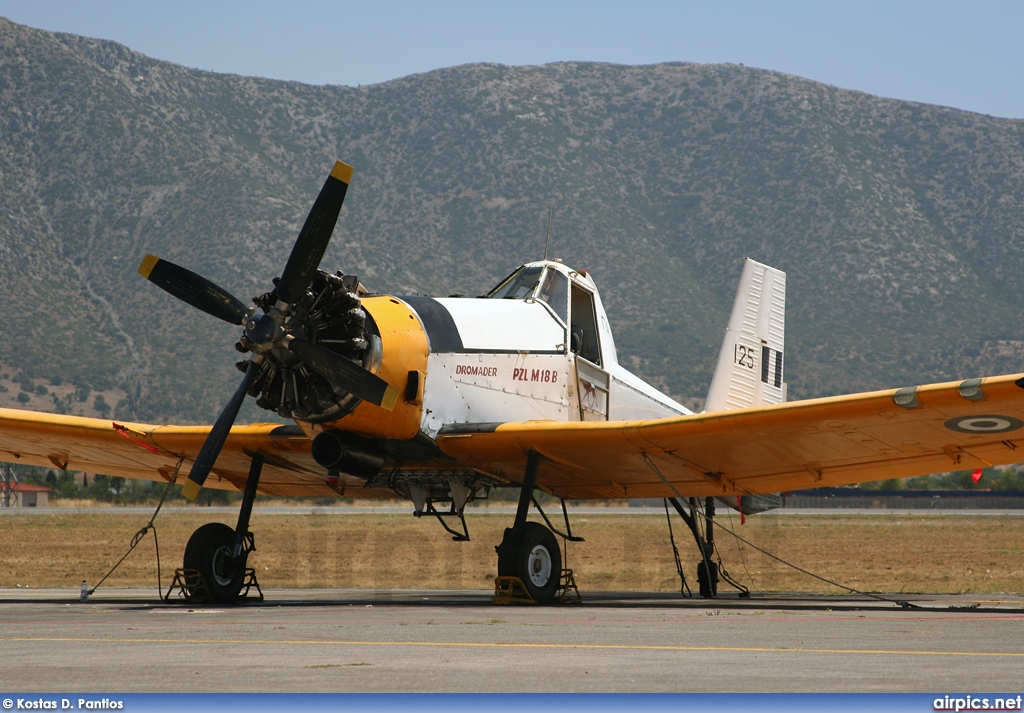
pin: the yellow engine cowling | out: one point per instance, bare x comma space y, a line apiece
404, 350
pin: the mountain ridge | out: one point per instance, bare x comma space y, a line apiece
900, 224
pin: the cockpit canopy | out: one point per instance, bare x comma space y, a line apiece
540, 282
571, 297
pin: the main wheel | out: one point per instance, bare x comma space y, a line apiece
708, 584
531, 553
209, 551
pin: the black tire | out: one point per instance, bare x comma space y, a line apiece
708, 585
209, 551
531, 553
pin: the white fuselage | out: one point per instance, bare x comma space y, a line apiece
502, 360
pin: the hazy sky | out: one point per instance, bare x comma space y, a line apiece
968, 55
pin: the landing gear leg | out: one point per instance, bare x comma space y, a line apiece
707, 569
220, 553
529, 550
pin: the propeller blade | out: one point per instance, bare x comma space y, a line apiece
344, 373
218, 435
194, 289
315, 234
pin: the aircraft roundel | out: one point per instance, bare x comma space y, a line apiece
984, 424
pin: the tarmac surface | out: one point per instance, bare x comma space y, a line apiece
123, 641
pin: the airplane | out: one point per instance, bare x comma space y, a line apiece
437, 400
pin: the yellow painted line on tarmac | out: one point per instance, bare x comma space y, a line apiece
501, 645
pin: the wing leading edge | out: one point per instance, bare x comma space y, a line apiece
796, 445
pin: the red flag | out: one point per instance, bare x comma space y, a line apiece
976, 475
739, 506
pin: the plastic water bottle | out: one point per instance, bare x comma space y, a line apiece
84, 596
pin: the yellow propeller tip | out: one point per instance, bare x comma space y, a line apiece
342, 172
191, 489
148, 263
390, 398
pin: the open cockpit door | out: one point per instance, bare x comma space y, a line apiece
592, 381
583, 338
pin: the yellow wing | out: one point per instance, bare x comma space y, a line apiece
802, 444
146, 452
796, 445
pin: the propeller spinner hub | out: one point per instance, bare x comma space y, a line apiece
262, 329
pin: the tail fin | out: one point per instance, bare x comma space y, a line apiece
749, 371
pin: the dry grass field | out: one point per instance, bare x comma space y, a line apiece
887, 553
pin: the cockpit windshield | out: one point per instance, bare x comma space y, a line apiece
519, 285
537, 282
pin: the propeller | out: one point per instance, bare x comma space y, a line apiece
273, 336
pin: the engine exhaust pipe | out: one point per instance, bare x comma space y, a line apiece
347, 453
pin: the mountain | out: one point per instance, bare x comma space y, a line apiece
900, 225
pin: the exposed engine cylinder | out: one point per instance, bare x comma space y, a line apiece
329, 314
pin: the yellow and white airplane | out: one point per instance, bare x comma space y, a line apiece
437, 400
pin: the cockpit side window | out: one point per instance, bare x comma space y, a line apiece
555, 291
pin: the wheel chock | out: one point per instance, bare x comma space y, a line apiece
190, 586
511, 590
568, 592
248, 583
